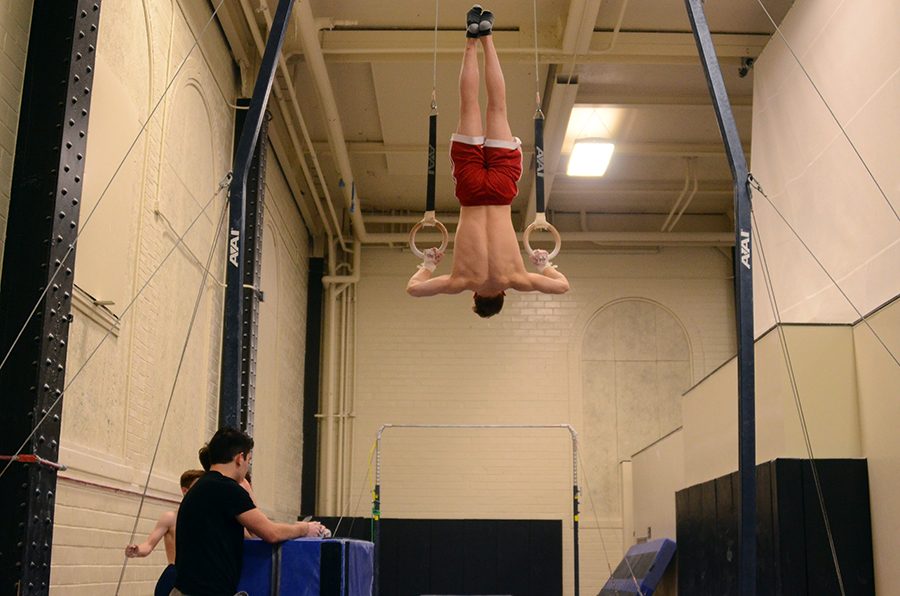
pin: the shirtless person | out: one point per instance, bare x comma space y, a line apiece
164, 530
487, 165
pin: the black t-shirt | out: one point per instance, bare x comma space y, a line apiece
209, 541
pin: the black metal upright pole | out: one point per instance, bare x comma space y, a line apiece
575, 550
38, 270
231, 391
252, 294
743, 297
376, 539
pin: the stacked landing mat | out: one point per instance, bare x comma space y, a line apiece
308, 567
641, 570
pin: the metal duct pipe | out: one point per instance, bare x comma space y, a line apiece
312, 51
354, 276
688, 170
295, 103
258, 41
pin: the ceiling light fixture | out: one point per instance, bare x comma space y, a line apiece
590, 157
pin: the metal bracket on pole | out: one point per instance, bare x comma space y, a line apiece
231, 389
743, 297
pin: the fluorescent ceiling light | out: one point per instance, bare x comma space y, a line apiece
590, 157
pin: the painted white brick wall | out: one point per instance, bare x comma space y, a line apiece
814, 175
277, 458
878, 378
434, 361
15, 24
114, 411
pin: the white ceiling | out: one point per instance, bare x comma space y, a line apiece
647, 78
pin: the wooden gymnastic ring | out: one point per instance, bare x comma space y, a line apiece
542, 225
445, 237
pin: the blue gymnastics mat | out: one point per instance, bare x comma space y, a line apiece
641, 570
308, 567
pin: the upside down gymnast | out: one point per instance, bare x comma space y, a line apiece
487, 165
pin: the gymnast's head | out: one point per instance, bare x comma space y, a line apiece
488, 306
189, 478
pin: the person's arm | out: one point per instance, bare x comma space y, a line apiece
163, 525
421, 284
272, 532
549, 280
245, 484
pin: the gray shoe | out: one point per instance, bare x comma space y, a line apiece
473, 21
486, 26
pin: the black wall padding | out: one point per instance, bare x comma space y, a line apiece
471, 557
794, 557
422, 556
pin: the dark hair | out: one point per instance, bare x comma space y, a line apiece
488, 306
190, 477
203, 456
226, 444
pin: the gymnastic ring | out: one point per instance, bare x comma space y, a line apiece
541, 223
445, 237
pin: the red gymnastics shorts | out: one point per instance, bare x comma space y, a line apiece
486, 171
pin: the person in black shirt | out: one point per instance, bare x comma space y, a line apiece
212, 517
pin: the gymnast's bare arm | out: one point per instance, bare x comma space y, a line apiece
422, 284
551, 281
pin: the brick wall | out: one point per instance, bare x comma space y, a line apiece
114, 411
15, 23
277, 464
433, 361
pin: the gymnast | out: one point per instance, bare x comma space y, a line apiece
487, 165
165, 531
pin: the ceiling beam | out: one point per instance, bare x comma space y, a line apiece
452, 219
652, 149
598, 238
514, 46
657, 101
569, 186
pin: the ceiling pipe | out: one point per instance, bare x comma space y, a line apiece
312, 51
445, 218
687, 182
354, 276
618, 26
687, 202
260, 45
330, 23
295, 104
